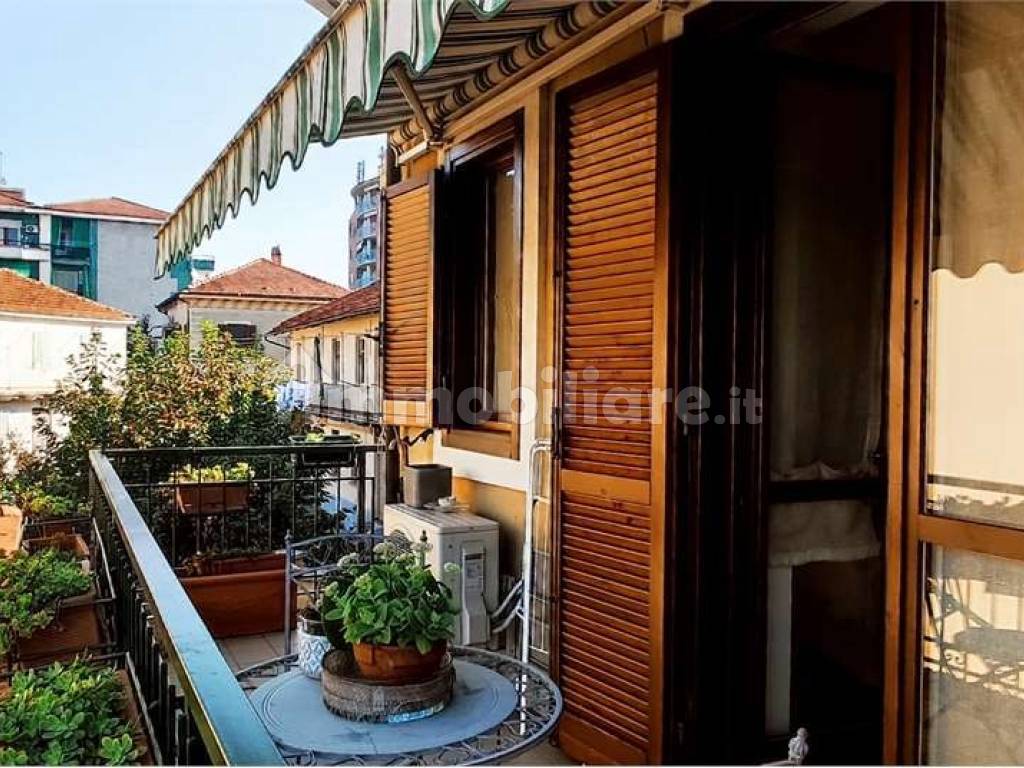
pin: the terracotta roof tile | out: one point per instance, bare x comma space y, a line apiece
110, 206
365, 301
32, 297
8, 199
263, 278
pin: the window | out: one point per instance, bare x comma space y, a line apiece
12, 235
336, 360
41, 424
360, 360
243, 334
298, 361
970, 618
483, 282
38, 351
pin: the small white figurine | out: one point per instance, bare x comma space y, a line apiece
798, 747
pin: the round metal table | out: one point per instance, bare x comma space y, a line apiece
534, 714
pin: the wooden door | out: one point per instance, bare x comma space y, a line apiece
610, 451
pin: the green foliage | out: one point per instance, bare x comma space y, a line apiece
218, 473
65, 715
30, 586
161, 395
395, 601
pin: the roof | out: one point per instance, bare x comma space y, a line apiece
26, 296
263, 279
365, 301
110, 206
8, 199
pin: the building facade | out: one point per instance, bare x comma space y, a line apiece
99, 249
362, 230
777, 352
41, 326
333, 355
249, 302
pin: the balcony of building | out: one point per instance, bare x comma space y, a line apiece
206, 555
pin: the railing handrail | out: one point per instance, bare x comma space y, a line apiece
242, 450
230, 729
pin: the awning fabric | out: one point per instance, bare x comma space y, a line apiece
341, 70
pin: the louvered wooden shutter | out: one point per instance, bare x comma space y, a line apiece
407, 300
611, 489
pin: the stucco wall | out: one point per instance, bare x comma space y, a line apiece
127, 253
34, 353
265, 320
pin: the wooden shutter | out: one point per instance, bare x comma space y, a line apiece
610, 465
407, 300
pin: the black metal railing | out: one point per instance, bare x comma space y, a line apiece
198, 712
308, 490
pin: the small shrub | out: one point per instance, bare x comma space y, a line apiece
30, 586
65, 715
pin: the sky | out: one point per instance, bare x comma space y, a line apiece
135, 98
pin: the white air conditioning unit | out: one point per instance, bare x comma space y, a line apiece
30, 229
469, 541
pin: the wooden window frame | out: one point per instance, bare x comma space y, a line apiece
495, 436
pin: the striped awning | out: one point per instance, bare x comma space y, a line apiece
340, 86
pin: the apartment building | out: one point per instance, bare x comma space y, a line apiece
362, 230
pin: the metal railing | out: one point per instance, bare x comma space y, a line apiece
307, 489
199, 713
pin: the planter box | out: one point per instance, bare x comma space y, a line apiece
342, 451
73, 543
240, 595
76, 629
212, 498
12, 523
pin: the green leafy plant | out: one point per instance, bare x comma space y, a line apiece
30, 586
395, 600
218, 473
65, 715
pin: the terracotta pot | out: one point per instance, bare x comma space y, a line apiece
241, 595
395, 664
213, 498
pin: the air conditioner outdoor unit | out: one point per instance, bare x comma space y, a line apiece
30, 229
469, 541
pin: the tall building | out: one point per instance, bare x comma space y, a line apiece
99, 249
362, 230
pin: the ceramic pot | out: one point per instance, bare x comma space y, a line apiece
312, 646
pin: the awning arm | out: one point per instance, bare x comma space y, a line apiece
431, 133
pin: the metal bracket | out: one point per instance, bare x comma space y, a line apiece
431, 132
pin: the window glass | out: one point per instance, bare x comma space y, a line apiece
484, 284
972, 659
975, 441
336, 360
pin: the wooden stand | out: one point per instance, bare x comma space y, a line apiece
348, 695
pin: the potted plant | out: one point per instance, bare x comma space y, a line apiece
340, 453
397, 617
49, 512
212, 490
78, 714
32, 587
237, 592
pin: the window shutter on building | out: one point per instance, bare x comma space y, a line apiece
610, 488
408, 216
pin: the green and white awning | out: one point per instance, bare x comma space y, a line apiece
339, 85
